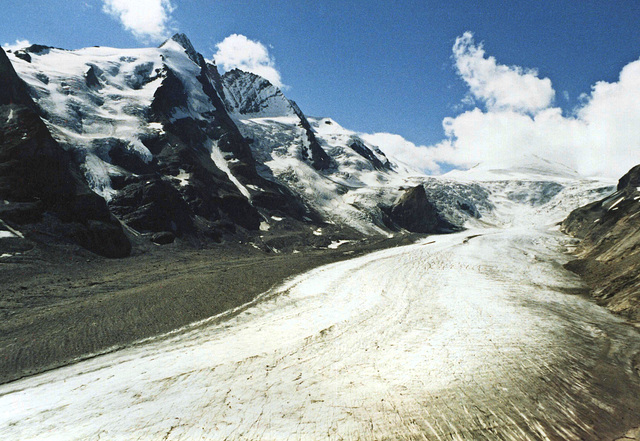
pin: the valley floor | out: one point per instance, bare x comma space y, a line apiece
472, 336
58, 306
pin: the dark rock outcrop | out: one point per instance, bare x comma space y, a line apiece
358, 146
151, 204
39, 49
23, 55
171, 95
416, 213
609, 251
319, 158
91, 78
163, 238
40, 183
13, 91
631, 180
121, 155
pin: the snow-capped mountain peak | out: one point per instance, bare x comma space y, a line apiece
185, 43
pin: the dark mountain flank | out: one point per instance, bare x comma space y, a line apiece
41, 188
609, 251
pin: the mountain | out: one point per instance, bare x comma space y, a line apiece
178, 150
152, 137
169, 148
330, 168
358, 185
608, 255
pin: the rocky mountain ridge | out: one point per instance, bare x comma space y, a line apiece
177, 150
153, 138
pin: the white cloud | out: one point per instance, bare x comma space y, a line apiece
502, 138
405, 151
237, 51
601, 138
147, 20
19, 44
500, 87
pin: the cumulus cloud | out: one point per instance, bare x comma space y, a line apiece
19, 44
147, 20
405, 151
500, 87
502, 138
602, 136
238, 51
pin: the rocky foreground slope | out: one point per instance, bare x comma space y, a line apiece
609, 253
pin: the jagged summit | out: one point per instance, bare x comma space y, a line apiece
184, 41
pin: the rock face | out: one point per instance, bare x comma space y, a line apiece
415, 212
39, 182
251, 96
338, 175
360, 148
609, 251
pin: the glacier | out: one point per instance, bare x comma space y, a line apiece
472, 335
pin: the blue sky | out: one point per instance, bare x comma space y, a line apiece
374, 66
